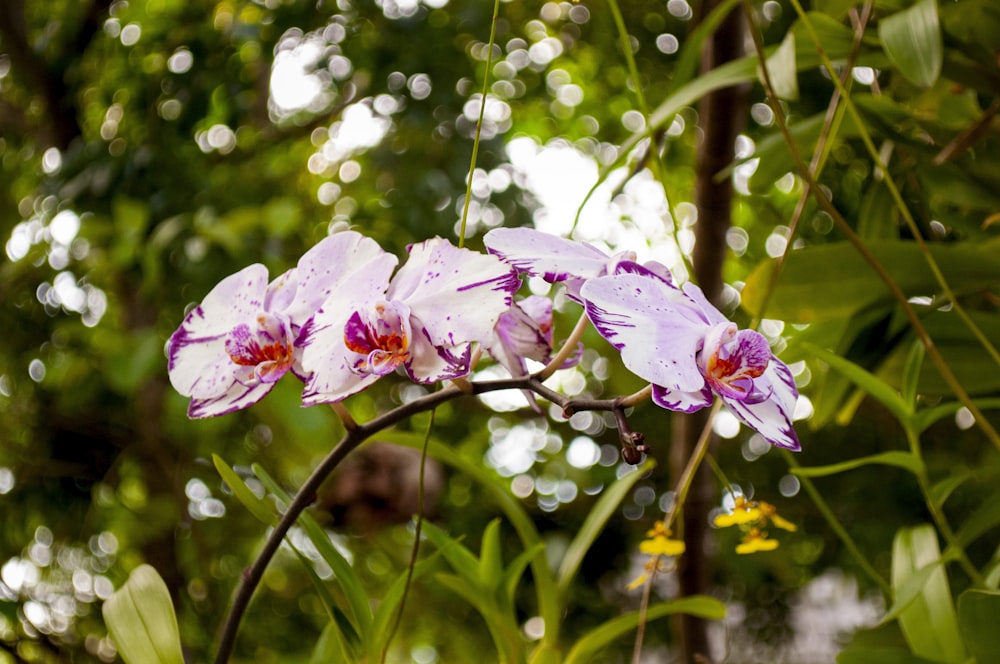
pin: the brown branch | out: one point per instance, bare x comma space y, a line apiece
306, 494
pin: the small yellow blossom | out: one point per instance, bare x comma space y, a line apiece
752, 517
755, 541
659, 542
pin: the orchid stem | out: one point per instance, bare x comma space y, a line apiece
568, 348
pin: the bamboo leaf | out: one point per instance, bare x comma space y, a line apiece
604, 508
141, 620
588, 646
903, 460
928, 622
257, 506
781, 69
912, 40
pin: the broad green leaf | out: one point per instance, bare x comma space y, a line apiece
906, 594
344, 574
781, 69
141, 620
584, 650
903, 460
978, 614
604, 508
883, 644
912, 40
259, 507
868, 382
512, 574
831, 281
928, 622
463, 561
329, 648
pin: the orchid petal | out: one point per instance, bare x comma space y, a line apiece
430, 363
708, 310
771, 417
237, 397
655, 327
457, 293
198, 364
326, 268
682, 402
549, 256
326, 360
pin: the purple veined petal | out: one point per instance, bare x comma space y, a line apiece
431, 363
650, 269
327, 266
197, 361
237, 397
380, 336
326, 362
457, 294
653, 325
281, 291
518, 336
549, 256
708, 310
771, 417
682, 402
732, 359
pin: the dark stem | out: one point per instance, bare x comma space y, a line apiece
306, 494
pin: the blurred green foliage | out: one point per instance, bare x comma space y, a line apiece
148, 148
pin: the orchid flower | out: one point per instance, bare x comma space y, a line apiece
689, 351
523, 332
423, 320
557, 259
246, 334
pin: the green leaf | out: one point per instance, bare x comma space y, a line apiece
329, 648
346, 635
781, 69
978, 611
604, 508
903, 460
884, 644
259, 507
588, 646
804, 293
868, 382
928, 622
925, 418
911, 373
912, 40
141, 620
983, 519
490, 556
345, 575
516, 568
941, 490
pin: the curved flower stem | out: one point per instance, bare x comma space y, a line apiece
568, 348
700, 449
633, 399
353, 437
479, 123
911, 315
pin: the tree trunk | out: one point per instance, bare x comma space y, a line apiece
721, 119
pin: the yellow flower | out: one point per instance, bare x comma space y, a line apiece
770, 514
659, 542
744, 511
755, 541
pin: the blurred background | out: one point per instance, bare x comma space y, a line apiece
148, 148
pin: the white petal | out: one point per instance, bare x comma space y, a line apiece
326, 362
197, 361
327, 267
657, 330
457, 294
683, 402
549, 256
431, 363
771, 418
711, 314
238, 396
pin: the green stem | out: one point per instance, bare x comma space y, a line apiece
479, 124
837, 527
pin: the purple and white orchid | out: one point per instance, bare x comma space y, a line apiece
689, 350
423, 320
246, 334
557, 259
